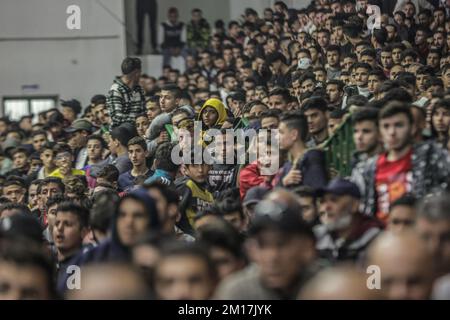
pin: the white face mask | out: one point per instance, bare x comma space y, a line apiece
304, 63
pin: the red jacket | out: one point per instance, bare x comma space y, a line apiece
251, 177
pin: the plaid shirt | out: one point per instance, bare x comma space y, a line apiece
124, 104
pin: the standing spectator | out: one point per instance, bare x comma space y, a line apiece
126, 98
172, 34
198, 31
143, 8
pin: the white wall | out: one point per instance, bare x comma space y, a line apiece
58, 60
61, 63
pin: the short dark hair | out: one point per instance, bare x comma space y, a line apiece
23, 253
130, 64
223, 236
61, 147
284, 93
398, 94
340, 84
407, 199
369, 52
39, 132
163, 158
378, 73
138, 141
363, 65
184, 249
54, 180
305, 191
173, 89
56, 199
409, 53
318, 103
98, 99
296, 121
19, 150
122, 134
366, 114
153, 99
380, 35
14, 181
271, 113
102, 210
169, 193
393, 108
337, 113
276, 56
425, 70
15, 206
109, 172
81, 212
333, 47
407, 77
307, 76
352, 30
49, 145
98, 138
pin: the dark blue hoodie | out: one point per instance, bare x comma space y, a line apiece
112, 250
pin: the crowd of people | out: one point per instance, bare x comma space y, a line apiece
94, 205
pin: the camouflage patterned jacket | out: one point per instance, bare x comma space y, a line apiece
430, 169
198, 35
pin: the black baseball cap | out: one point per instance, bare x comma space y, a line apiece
254, 195
340, 187
272, 215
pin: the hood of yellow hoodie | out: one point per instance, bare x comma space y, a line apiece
218, 106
